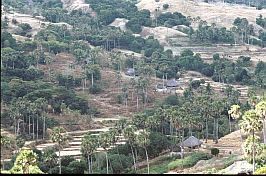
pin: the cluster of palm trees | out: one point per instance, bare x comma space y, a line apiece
29, 115
91, 142
191, 116
90, 61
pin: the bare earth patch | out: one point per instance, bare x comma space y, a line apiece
78, 4
35, 23
161, 33
219, 13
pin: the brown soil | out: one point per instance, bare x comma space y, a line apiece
221, 14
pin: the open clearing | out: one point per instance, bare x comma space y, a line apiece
34, 22
221, 14
78, 4
255, 52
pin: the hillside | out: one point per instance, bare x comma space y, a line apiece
221, 14
100, 87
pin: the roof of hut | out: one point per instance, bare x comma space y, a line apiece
171, 83
191, 142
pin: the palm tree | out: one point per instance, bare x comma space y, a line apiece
129, 134
113, 139
261, 112
143, 141
88, 146
104, 140
41, 105
58, 135
205, 108
120, 125
250, 124
50, 157
234, 112
218, 108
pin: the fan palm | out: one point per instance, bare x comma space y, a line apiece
88, 146
58, 135
143, 141
250, 124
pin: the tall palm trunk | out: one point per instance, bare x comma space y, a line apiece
37, 133
106, 162
91, 165
230, 126
207, 130
264, 130
29, 124
136, 156
134, 160
33, 127
43, 132
89, 169
217, 129
190, 131
92, 79
147, 158
253, 151
137, 102
60, 171
214, 125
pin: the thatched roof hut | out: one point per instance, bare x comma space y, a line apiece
171, 83
131, 72
191, 142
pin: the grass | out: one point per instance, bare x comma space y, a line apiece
230, 160
169, 163
188, 161
158, 167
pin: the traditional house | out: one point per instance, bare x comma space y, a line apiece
171, 83
191, 142
131, 72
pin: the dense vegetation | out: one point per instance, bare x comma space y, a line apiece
34, 96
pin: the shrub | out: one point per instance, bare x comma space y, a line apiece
214, 151
77, 167
120, 162
95, 89
259, 7
119, 99
188, 161
261, 170
171, 100
14, 21
66, 160
165, 6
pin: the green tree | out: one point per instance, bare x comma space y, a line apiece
5, 144
143, 141
104, 140
88, 147
58, 135
250, 124
26, 163
130, 136
49, 157
260, 109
